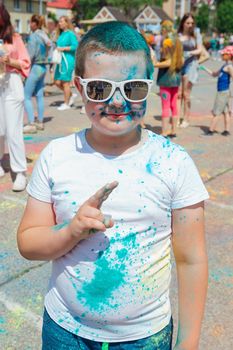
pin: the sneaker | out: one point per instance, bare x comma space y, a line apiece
172, 136
209, 133
2, 172
184, 124
30, 129
83, 111
225, 133
39, 125
19, 183
63, 107
72, 99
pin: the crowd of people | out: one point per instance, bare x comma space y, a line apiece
20, 62
177, 54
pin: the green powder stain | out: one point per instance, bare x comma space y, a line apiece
122, 253
120, 171
26, 138
66, 192
73, 203
98, 293
60, 226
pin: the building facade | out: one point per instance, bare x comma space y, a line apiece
22, 10
176, 8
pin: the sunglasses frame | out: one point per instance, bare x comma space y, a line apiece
115, 85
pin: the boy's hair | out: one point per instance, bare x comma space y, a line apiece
112, 37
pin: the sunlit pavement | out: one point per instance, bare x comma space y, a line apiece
23, 283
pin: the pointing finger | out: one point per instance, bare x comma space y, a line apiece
101, 195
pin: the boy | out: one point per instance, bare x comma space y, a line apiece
221, 105
110, 280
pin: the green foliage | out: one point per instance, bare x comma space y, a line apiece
202, 17
224, 19
52, 16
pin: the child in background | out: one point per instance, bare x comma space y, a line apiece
169, 77
111, 267
222, 100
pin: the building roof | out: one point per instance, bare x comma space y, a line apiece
161, 13
61, 4
118, 14
151, 13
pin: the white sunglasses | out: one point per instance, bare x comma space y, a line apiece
101, 90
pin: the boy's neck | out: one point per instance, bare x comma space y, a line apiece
114, 145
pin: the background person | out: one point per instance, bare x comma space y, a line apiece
38, 46
67, 43
222, 100
169, 77
192, 48
17, 63
52, 34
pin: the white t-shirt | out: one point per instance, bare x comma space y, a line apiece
114, 286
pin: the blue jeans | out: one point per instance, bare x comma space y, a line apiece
54, 337
34, 86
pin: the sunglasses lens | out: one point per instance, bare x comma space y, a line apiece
98, 90
136, 90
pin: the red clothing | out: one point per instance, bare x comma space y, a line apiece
18, 51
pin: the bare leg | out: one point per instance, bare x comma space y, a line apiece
165, 126
213, 123
227, 121
59, 84
67, 91
179, 103
187, 102
174, 125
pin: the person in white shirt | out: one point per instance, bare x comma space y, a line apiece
111, 247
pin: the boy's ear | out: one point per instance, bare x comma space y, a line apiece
78, 85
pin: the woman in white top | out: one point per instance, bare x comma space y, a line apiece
192, 48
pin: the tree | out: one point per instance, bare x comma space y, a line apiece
202, 17
87, 9
132, 5
224, 19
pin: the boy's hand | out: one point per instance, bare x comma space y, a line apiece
89, 217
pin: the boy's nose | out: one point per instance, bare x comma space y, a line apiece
117, 99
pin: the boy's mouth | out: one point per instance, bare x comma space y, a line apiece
117, 116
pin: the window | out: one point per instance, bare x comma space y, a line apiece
17, 4
29, 6
17, 25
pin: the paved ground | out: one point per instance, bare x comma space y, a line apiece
23, 283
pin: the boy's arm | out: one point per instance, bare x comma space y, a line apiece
39, 238
192, 271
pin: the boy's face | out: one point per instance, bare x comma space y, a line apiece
116, 116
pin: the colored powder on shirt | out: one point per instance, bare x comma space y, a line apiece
98, 293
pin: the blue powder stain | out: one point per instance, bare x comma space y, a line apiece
132, 72
97, 294
149, 168
120, 171
66, 192
73, 203
129, 118
117, 121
